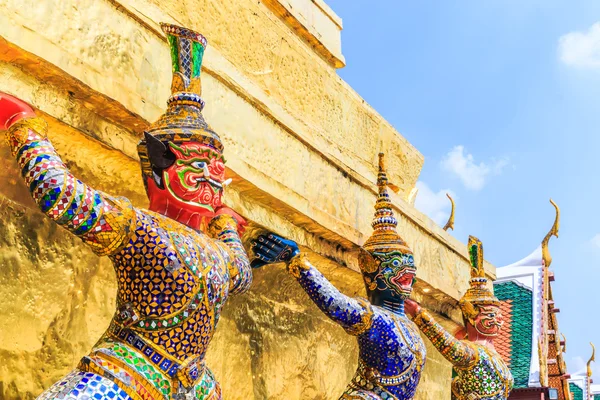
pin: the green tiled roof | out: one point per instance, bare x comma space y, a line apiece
519, 325
597, 397
576, 391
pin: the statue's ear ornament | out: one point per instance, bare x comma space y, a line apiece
368, 264
468, 309
159, 154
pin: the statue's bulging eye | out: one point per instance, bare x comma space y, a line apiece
396, 263
198, 164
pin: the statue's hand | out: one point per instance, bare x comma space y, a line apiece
12, 110
411, 307
271, 249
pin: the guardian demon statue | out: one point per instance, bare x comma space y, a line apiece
176, 263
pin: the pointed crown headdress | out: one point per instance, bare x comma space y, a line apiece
478, 292
385, 238
183, 121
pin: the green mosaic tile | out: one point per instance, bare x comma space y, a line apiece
576, 392
138, 363
521, 329
174, 52
198, 53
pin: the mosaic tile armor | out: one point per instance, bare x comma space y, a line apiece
391, 351
172, 279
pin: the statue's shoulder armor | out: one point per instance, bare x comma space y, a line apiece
115, 226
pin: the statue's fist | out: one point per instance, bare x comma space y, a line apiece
271, 249
12, 110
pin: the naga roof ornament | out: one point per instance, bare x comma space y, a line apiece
450, 223
553, 232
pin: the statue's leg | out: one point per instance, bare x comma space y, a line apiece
84, 385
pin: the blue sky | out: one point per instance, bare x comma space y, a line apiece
502, 99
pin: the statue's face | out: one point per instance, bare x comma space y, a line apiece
196, 178
489, 320
397, 271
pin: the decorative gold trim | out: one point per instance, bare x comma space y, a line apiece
18, 133
220, 223
297, 264
553, 232
450, 223
366, 319
420, 319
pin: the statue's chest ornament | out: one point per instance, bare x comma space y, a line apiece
180, 254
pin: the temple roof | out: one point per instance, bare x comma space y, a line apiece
577, 385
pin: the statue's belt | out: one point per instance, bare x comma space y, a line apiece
186, 373
373, 376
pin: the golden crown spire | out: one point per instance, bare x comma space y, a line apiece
384, 219
478, 292
384, 238
476, 257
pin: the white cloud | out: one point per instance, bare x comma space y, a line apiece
581, 49
595, 241
471, 174
435, 205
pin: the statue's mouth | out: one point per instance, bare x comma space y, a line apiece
211, 181
404, 279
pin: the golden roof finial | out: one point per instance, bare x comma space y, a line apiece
592, 358
564, 339
450, 223
553, 232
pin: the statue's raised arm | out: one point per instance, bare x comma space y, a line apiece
101, 221
391, 351
354, 315
176, 263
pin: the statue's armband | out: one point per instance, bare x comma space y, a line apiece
114, 228
366, 319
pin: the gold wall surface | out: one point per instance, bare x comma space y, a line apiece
301, 147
